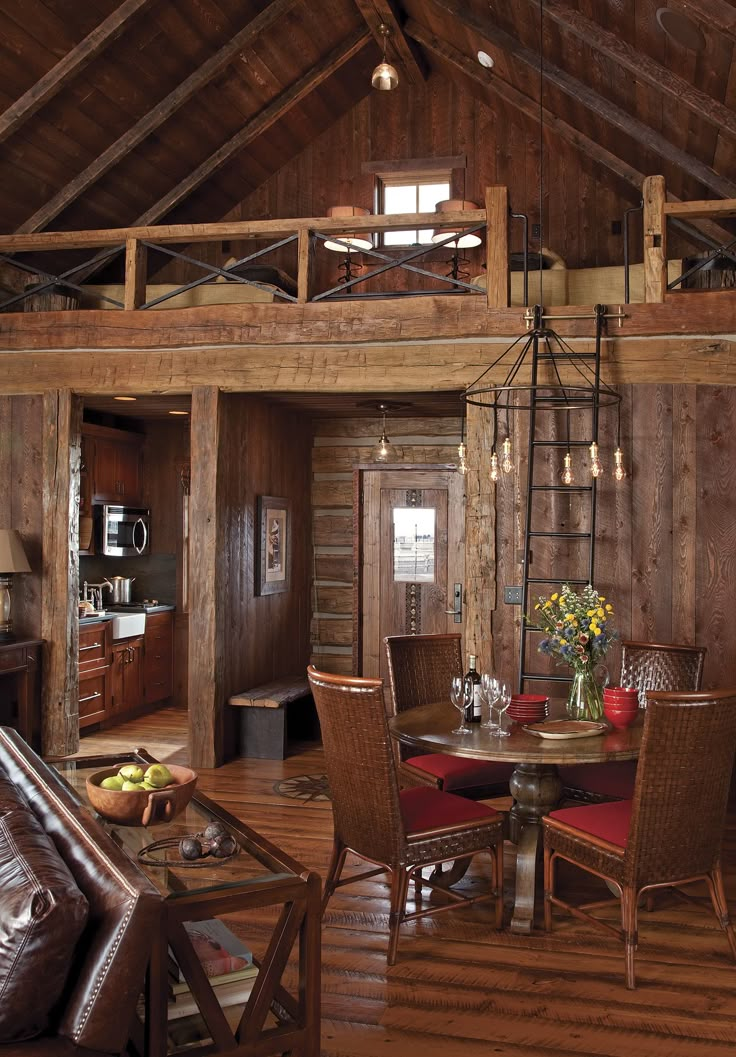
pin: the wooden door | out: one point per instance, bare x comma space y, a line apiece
413, 557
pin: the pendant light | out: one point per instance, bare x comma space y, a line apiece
383, 450
385, 76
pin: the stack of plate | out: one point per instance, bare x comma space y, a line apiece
527, 708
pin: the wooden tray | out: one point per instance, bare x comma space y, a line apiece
566, 728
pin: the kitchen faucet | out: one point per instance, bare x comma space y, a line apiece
95, 593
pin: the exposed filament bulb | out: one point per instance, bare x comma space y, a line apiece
567, 476
507, 464
462, 451
618, 469
495, 470
596, 469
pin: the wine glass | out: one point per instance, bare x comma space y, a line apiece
490, 690
459, 695
504, 700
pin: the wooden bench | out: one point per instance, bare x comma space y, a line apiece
263, 716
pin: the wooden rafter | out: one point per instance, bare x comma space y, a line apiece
640, 65
156, 116
595, 103
67, 68
410, 57
713, 14
530, 108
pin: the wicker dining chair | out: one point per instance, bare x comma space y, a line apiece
670, 834
420, 669
647, 666
400, 831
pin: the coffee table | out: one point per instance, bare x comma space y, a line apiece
535, 784
275, 1019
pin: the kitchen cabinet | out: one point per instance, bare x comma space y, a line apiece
158, 663
114, 458
95, 655
127, 675
86, 534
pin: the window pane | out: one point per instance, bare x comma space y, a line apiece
414, 536
431, 194
399, 238
400, 199
425, 235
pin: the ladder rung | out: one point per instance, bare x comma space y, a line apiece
562, 535
561, 487
561, 443
553, 580
546, 678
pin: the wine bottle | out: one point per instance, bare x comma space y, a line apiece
473, 708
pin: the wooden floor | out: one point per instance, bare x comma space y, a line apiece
460, 989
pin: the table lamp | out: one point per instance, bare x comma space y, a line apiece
12, 560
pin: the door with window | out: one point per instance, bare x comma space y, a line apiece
412, 548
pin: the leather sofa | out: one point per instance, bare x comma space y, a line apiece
76, 916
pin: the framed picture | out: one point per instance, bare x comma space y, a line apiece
274, 545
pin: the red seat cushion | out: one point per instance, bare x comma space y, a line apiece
458, 772
609, 822
424, 808
608, 779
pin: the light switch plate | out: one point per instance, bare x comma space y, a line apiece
513, 596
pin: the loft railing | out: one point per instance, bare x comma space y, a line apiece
137, 242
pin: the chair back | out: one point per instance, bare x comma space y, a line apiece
660, 666
682, 786
360, 764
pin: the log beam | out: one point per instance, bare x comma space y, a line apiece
480, 540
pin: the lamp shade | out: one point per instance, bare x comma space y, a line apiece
351, 241
464, 241
385, 77
12, 556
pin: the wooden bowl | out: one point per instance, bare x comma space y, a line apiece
144, 807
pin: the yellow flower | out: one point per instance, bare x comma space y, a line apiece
590, 613
570, 617
554, 597
537, 606
601, 613
601, 598
609, 608
547, 605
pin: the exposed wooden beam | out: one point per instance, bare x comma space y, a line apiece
713, 14
411, 60
155, 117
640, 65
602, 108
709, 232
67, 68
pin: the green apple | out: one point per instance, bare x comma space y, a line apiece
113, 782
131, 787
145, 785
159, 775
131, 772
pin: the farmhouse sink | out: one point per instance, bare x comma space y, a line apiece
127, 625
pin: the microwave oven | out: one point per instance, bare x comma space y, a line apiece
123, 531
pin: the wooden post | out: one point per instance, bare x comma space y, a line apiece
207, 694
655, 240
136, 262
62, 418
480, 539
497, 247
303, 266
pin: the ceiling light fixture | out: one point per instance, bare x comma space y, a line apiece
385, 76
463, 240
485, 60
125, 398
178, 412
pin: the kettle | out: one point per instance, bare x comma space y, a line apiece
121, 589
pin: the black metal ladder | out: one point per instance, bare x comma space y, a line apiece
549, 348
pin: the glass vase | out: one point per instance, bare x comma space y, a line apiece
585, 700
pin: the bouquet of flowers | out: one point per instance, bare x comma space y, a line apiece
578, 633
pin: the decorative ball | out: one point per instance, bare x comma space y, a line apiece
214, 830
223, 846
190, 848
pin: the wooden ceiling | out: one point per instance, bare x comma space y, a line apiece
142, 111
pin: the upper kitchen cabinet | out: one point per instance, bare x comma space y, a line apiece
114, 459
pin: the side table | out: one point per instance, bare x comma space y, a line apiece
20, 687
277, 1017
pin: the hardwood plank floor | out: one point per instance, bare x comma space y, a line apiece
460, 989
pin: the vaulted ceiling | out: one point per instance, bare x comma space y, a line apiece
150, 110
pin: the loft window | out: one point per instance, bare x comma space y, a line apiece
410, 193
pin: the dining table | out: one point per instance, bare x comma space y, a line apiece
535, 783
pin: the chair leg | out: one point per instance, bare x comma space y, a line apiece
549, 887
337, 861
399, 890
720, 906
497, 861
628, 923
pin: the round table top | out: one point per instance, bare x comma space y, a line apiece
428, 727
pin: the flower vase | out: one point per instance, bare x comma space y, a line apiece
585, 700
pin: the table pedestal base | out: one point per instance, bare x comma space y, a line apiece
536, 789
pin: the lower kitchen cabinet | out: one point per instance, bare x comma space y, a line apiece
95, 647
127, 675
158, 665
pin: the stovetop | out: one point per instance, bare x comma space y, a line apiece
147, 606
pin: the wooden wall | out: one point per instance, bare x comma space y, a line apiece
21, 499
340, 444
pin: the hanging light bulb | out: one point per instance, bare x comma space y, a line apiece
567, 476
385, 76
383, 449
507, 463
618, 471
462, 451
596, 469
495, 470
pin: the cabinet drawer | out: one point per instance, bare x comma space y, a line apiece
94, 645
12, 659
93, 696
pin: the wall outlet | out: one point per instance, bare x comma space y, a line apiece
513, 596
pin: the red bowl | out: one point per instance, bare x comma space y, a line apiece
529, 699
620, 720
622, 706
620, 691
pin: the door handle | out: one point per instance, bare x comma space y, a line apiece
457, 597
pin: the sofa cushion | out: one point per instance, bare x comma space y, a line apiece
42, 915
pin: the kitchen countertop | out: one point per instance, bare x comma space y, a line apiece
163, 607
